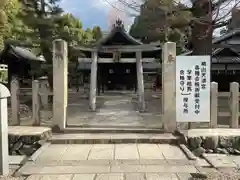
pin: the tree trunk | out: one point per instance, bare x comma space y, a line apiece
202, 31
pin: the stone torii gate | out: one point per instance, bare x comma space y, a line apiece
137, 49
60, 80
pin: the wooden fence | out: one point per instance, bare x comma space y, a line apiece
232, 103
40, 93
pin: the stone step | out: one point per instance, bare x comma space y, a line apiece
114, 176
200, 163
113, 138
30, 169
112, 129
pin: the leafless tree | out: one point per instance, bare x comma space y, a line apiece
207, 15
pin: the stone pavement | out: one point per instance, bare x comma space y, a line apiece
114, 109
112, 161
222, 161
121, 162
111, 152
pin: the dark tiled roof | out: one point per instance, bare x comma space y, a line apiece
20, 53
225, 60
217, 40
219, 58
226, 36
186, 53
118, 30
226, 50
25, 54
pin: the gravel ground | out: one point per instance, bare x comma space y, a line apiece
11, 172
26, 115
215, 176
12, 178
26, 109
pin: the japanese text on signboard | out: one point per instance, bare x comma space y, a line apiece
193, 87
185, 87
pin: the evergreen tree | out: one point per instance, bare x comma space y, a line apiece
39, 15
97, 33
154, 23
8, 18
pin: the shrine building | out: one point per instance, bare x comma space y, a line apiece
225, 62
116, 61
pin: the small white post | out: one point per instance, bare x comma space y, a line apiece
234, 104
214, 105
4, 155
60, 84
35, 103
15, 102
169, 86
93, 83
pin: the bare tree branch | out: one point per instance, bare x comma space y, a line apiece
217, 8
219, 3
219, 25
120, 10
227, 15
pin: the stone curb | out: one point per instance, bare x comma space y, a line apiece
114, 141
209, 162
31, 158
187, 152
71, 130
38, 152
162, 162
88, 169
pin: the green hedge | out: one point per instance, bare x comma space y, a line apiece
3, 76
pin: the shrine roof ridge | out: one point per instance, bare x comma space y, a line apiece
118, 30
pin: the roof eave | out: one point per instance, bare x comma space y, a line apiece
113, 32
225, 36
20, 53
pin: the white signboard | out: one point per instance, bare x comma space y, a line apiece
193, 88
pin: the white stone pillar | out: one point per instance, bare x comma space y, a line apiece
60, 84
93, 82
15, 102
214, 105
4, 155
140, 81
234, 104
35, 103
169, 86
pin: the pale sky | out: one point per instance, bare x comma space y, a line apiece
96, 12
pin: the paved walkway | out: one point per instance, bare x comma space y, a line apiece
112, 161
114, 109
